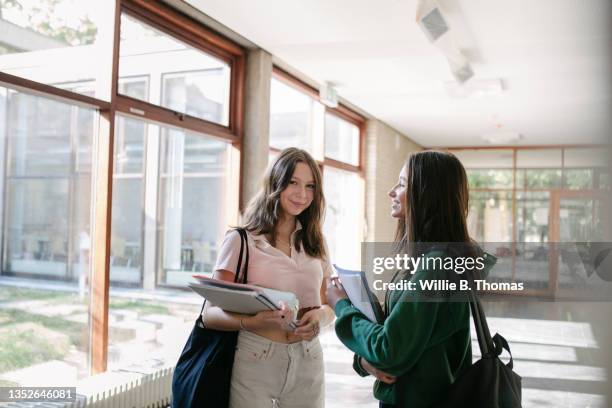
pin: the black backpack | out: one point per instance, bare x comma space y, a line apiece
488, 383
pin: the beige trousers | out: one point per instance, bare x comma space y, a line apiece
267, 374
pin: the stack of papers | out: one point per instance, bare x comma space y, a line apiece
242, 298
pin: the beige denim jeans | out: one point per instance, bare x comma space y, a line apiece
267, 374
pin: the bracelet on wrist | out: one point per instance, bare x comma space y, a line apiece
242, 326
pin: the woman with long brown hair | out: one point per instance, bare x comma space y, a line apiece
275, 365
424, 343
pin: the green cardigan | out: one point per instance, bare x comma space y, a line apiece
426, 342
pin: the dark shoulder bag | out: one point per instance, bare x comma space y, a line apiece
488, 383
203, 374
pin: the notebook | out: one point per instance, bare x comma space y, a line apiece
243, 298
360, 295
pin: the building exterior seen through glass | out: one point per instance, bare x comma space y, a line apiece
524, 197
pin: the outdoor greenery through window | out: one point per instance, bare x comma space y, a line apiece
46, 230
174, 191
522, 197
57, 42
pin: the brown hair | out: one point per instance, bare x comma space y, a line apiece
264, 210
436, 199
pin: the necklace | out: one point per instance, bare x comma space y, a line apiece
285, 243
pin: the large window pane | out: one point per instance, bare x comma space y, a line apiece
344, 223
532, 223
181, 77
136, 87
37, 226
46, 231
538, 168
490, 216
538, 178
128, 189
604, 180
487, 168
485, 158
193, 204
202, 93
581, 167
341, 140
46, 151
578, 179
59, 43
296, 119
491, 178
533, 216
169, 206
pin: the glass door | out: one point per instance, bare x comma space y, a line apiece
578, 217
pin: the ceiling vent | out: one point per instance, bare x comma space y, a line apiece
433, 24
463, 72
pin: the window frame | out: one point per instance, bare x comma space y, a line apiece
179, 25
341, 111
514, 190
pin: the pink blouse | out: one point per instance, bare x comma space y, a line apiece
272, 268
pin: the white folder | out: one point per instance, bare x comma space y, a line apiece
356, 286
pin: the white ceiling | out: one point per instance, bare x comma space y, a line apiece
553, 56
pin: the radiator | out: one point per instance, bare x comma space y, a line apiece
116, 389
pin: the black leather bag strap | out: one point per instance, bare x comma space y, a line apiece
485, 342
240, 275
244, 248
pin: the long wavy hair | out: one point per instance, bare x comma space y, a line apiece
437, 199
264, 210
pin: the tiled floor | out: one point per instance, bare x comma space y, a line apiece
558, 349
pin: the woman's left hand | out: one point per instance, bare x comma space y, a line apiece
309, 325
335, 292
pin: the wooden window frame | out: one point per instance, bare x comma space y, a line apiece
178, 25
183, 28
341, 111
38, 88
